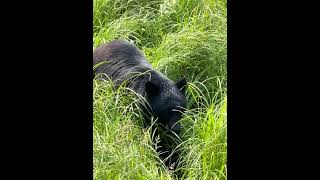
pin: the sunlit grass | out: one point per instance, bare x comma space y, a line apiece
181, 39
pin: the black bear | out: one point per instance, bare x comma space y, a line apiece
121, 60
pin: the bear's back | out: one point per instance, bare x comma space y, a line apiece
121, 60
119, 51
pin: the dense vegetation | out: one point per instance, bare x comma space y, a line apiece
180, 38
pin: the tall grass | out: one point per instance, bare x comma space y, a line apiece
180, 38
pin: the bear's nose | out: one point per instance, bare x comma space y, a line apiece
176, 128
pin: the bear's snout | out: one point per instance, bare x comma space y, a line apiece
175, 127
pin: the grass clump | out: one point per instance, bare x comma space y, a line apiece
122, 148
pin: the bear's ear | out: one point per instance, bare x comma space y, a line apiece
181, 84
151, 89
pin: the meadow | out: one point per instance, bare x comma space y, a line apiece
180, 38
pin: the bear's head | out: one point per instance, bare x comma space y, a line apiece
167, 100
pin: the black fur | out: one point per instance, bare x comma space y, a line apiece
121, 60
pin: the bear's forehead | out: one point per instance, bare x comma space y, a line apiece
170, 94
168, 89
